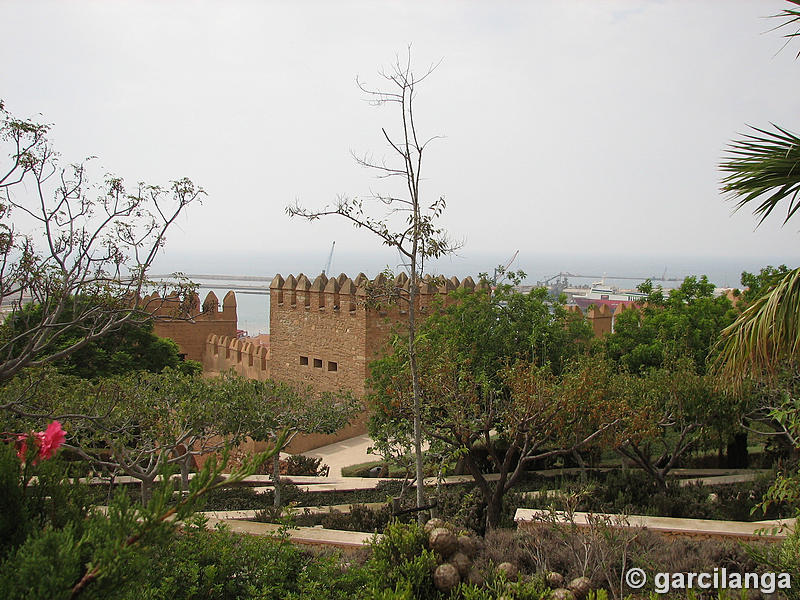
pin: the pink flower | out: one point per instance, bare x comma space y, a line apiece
51, 439
47, 442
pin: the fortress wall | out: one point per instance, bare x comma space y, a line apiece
190, 324
323, 334
318, 337
245, 358
433, 292
311, 441
601, 318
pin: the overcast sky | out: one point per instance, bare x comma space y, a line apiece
575, 132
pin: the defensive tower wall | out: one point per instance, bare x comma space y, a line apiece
243, 356
326, 332
601, 318
189, 323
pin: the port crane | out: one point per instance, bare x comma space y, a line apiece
327, 266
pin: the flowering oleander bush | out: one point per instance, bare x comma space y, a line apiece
53, 545
42, 443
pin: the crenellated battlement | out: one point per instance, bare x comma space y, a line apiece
601, 317
223, 353
189, 322
326, 331
173, 306
348, 295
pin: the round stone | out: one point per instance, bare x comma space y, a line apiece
562, 594
443, 541
467, 545
509, 569
475, 578
433, 524
461, 562
446, 577
580, 586
555, 580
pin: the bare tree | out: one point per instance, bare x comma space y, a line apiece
408, 225
78, 251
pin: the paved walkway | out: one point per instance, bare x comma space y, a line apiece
317, 536
345, 453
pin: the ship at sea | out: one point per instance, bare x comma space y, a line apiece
600, 294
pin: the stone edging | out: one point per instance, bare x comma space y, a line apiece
531, 519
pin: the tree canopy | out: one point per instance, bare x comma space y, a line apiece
687, 319
504, 376
132, 347
72, 245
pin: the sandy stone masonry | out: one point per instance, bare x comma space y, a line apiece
243, 356
601, 318
323, 333
190, 324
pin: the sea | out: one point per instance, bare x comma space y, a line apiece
621, 272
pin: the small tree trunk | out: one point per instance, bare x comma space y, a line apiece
737, 452
185, 472
661, 477
147, 490
276, 478
494, 509
412, 361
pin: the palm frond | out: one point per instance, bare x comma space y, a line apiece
791, 19
766, 334
763, 168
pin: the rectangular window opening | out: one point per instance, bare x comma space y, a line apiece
318, 363
304, 360
332, 366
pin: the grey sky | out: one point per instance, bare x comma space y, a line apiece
588, 129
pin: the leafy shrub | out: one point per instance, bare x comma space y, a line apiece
361, 469
400, 562
328, 577
24, 508
462, 505
236, 498
299, 464
360, 518
603, 552
219, 565
781, 558
44, 562
632, 492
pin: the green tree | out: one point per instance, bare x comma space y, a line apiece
687, 320
67, 550
757, 284
132, 347
72, 245
504, 377
265, 410
145, 421
668, 412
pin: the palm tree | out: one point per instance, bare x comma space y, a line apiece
763, 171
